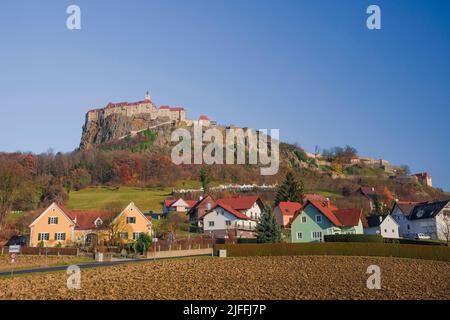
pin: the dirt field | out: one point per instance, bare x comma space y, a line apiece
26, 261
243, 278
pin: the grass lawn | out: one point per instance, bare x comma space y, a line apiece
13, 216
327, 193
95, 198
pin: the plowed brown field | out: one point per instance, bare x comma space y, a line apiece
25, 261
297, 277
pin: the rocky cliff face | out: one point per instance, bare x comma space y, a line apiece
116, 126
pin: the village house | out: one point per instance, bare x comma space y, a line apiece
400, 213
237, 214
177, 205
58, 226
199, 209
430, 219
375, 195
223, 219
251, 206
315, 219
384, 225
285, 210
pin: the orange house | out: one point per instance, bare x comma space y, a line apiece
59, 226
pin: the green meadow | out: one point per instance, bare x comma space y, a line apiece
95, 198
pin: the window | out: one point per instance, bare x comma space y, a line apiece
53, 220
299, 235
304, 219
131, 220
393, 231
60, 236
385, 230
317, 235
136, 235
319, 219
211, 223
43, 236
408, 227
123, 235
228, 223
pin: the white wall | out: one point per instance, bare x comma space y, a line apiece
254, 212
219, 216
403, 222
389, 228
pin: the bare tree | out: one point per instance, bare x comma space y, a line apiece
12, 178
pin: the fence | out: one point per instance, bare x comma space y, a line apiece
183, 244
44, 251
335, 248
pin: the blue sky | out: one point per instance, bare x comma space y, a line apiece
310, 68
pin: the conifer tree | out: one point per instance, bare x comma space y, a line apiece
290, 190
268, 230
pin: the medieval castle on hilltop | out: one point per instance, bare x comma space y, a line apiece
120, 120
145, 106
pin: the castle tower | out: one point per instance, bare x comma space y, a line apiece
147, 96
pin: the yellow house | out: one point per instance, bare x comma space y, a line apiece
130, 223
59, 226
52, 226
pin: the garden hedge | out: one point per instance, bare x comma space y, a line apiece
338, 249
354, 238
414, 241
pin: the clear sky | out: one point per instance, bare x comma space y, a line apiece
310, 68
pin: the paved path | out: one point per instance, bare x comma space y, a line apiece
92, 265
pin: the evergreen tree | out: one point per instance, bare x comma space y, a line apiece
268, 230
290, 190
205, 179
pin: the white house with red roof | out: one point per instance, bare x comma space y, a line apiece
237, 214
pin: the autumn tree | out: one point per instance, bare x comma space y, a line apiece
290, 190
12, 178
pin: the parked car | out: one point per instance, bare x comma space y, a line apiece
21, 240
422, 236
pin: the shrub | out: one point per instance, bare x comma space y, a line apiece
353, 238
414, 241
143, 243
247, 240
340, 249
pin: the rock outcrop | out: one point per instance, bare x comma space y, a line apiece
117, 126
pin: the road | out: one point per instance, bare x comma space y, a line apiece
93, 265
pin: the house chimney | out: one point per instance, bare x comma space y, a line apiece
373, 188
200, 198
381, 219
327, 202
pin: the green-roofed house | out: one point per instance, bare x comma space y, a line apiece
315, 219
